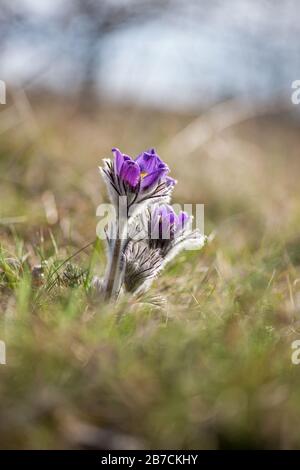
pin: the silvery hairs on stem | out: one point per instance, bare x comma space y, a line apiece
156, 236
142, 266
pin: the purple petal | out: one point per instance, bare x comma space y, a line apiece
164, 212
153, 178
149, 161
130, 172
173, 218
183, 218
155, 222
118, 161
166, 224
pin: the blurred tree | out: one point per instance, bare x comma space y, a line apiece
82, 25
69, 37
99, 19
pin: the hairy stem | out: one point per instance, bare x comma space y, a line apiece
113, 281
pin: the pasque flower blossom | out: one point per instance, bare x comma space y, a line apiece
142, 173
140, 179
170, 233
164, 234
133, 262
165, 224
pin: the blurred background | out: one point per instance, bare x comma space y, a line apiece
171, 54
84, 76
209, 85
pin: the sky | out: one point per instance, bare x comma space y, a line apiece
245, 48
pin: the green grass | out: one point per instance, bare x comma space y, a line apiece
203, 360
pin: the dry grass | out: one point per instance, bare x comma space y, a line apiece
201, 361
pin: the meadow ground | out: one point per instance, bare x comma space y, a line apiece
203, 360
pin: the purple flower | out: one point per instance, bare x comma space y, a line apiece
143, 181
156, 237
169, 232
142, 174
146, 239
130, 173
165, 224
149, 161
